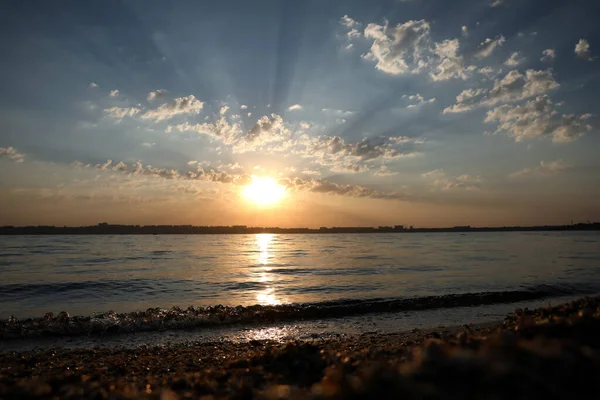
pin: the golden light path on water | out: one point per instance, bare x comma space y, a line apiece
264, 242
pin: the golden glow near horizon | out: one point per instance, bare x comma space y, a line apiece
264, 191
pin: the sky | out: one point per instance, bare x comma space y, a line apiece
381, 112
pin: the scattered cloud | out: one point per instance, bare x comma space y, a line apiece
243, 107
156, 95
496, 3
12, 154
119, 113
349, 22
513, 87
548, 55
384, 171
450, 63
295, 107
418, 100
93, 85
114, 93
464, 30
338, 113
583, 50
538, 118
401, 49
545, 168
486, 48
223, 110
148, 144
180, 105
514, 59
441, 181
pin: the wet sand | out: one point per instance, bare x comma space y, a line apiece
545, 353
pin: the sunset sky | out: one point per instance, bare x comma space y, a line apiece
415, 112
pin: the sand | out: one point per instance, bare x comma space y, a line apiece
546, 353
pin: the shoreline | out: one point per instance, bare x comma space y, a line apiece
531, 354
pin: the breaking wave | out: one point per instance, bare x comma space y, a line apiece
159, 319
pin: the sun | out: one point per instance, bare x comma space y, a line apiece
264, 191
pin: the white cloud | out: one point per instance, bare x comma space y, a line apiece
148, 144
545, 168
243, 107
119, 113
384, 171
114, 93
418, 100
218, 129
180, 105
440, 180
354, 34
514, 59
295, 107
486, 48
514, 86
12, 154
156, 95
401, 49
537, 118
349, 46
464, 30
582, 49
548, 55
338, 113
93, 85
496, 3
450, 63
223, 110
348, 22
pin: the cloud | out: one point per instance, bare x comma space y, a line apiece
513, 87
450, 64
206, 174
418, 100
582, 50
104, 166
464, 30
548, 55
119, 113
545, 168
180, 105
514, 59
156, 95
218, 129
537, 118
322, 186
148, 144
348, 22
439, 180
12, 154
338, 113
295, 107
384, 171
486, 48
93, 85
223, 110
401, 49
243, 107
114, 93
496, 3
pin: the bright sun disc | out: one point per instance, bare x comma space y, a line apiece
264, 191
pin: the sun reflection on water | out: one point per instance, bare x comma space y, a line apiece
266, 296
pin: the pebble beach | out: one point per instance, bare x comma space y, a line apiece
551, 352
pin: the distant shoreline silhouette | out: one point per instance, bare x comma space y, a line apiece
110, 229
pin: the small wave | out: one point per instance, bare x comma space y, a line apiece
157, 319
